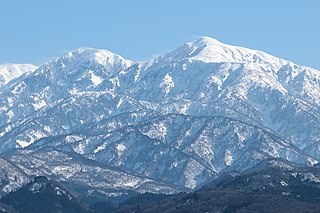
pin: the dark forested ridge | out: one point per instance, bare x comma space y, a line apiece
43, 195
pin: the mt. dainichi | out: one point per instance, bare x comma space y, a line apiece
170, 124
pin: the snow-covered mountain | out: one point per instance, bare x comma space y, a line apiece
11, 71
179, 119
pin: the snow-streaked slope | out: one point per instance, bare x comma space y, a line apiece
178, 149
181, 118
11, 71
82, 70
271, 92
12, 177
81, 173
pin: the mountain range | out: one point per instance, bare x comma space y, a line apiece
107, 127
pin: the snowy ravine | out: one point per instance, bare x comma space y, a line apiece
172, 123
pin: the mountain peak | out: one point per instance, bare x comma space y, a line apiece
11, 71
205, 40
210, 50
90, 54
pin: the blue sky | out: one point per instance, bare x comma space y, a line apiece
36, 31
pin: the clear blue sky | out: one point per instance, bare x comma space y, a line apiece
35, 31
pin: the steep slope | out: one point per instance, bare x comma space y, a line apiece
11, 177
78, 74
180, 119
270, 92
178, 149
84, 176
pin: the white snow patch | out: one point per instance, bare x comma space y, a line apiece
119, 103
184, 109
10, 101
100, 148
35, 188
132, 184
65, 171
47, 128
23, 144
137, 74
283, 183
192, 170
39, 104
312, 161
120, 148
122, 73
158, 131
73, 91
203, 147
167, 84
72, 138
184, 67
6, 130
96, 80
10, 114
310, 177
80, 148
228, 159
29, 137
